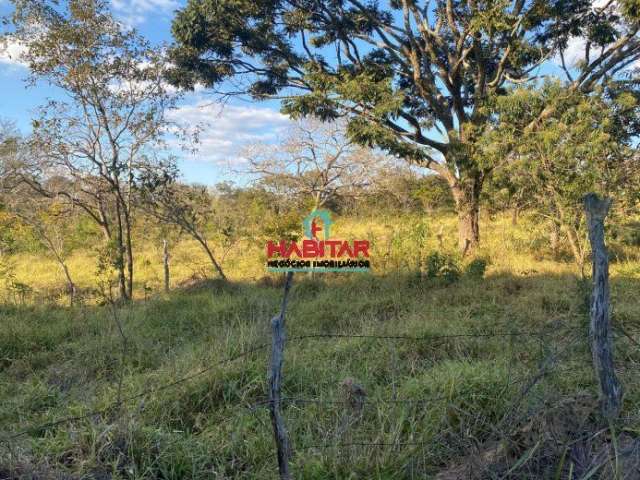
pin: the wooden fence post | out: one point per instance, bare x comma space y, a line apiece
600, 326
280, 434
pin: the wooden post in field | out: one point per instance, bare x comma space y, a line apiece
280, 434
600, 326
165, 262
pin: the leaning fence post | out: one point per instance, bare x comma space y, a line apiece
600, 326
279, 336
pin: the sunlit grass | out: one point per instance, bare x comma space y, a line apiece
57, 361
394, 248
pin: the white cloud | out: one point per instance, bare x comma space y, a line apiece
574, 53
226, 130
147, 67
135, 12
11, 52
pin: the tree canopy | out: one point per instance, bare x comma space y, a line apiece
414, 78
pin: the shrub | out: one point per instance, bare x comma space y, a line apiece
476, 268
630, 234
440, 265
433, 263
450, 272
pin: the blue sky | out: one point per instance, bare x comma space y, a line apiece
225, 129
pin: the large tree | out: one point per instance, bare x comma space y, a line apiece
89, 145
413, 77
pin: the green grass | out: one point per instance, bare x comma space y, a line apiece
431, 403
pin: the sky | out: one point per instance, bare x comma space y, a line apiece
225, 128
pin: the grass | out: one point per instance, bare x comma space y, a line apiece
432, 405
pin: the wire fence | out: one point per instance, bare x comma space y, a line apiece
263, 346
568, 335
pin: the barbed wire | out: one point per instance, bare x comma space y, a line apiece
532, 333
259, 347
367, 401
365, 444
548, 365
123, 400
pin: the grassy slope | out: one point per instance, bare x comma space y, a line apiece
56, 362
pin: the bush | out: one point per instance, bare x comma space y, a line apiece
450, 273
440, 265
630, 234
476, 268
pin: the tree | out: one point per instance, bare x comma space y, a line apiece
255, 214
407, 189
9, 142
189, 207
51, 220
315, 162
413, 78
585, 146
111, 123
433, 193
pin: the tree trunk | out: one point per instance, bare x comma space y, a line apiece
127, 218
468, 229
468, 209
465, 187
466, 193
128, 254
70, 285
120, 261
515, 214
215, 263
165, 262
106, 232
576, 248
60, 259
115, 252
554, 239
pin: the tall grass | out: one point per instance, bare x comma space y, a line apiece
432, 403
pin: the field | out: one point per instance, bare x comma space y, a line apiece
459, 376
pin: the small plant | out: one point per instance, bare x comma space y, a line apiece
476, 268
418, 236
433, 263
440, 265
20, 291
450, 273
629, 234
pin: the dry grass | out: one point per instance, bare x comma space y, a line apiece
434, 405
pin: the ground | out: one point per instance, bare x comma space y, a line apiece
476, 376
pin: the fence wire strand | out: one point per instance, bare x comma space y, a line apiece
263, 346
